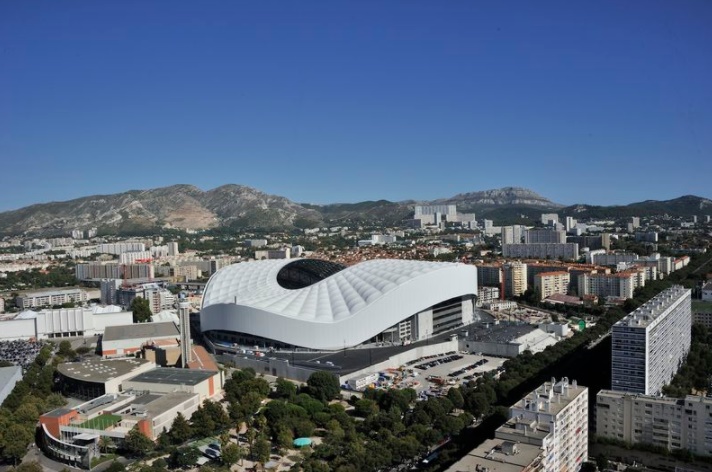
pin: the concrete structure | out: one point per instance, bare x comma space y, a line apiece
549, 218
109, 288
547, 431
489, 275
487, 295
173, 249
513, 234
270, 254
619, 285
185, 341
549, 283
98, 271
64, 322
514, 278
707, 292
671, 423
95, 377
204, 383
128, 339
118, 248
536, 236
49, 298
323, 305
9, 376
650, 343
563, 251
613, 258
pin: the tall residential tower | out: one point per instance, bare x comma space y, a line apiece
649, 344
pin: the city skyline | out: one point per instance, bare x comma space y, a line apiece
603, 103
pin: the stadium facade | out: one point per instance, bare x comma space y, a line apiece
322, 305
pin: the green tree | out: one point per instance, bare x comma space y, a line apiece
141, 310
105, 444
32, 466
285, 389
183, 457
65, 350
231, 453
262, 449
323, 385
16, 438
136, 443
115, 467
180, 430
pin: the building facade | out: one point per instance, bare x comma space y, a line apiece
649, 344
671, 423
563, 251
515, 278
549, 283
547, 431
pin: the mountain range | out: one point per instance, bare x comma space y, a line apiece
239, 206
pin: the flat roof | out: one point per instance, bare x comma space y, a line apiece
173, 376
7, 373
58, 413
100, 370
166, 402
490, 455
162, 329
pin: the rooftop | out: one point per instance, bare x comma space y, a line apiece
100, 370
550, 397
496, 454
173, 376
654, 307
141, 331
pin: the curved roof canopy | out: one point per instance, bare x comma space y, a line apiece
323, 305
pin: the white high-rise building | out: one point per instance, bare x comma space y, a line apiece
513, 234
649, 344
173, 249
570, 223
549, 218
549, 427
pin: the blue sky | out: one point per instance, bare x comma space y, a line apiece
602, 102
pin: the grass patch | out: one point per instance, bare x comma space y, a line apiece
101, 422
103, 458
698, 306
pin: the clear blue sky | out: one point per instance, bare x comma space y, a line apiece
600, 102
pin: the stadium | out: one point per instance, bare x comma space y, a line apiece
326, 306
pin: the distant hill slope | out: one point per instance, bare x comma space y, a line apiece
686, 206
238, 206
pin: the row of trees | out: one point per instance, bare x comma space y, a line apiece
31, 396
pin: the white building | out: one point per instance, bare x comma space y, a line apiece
48, 298
547, 431
323, 305
48, 324
549, 283
671, 423
564, 251
549, 218
649, 344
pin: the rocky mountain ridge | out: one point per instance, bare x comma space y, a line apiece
238, 206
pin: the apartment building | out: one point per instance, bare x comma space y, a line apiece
50, 298
514, 278
563, 251
118, 248
98, 271
513, 234
536, 236
549, 283
549, 218
649, 344
672, 423
547, 431
618, 285
489, 275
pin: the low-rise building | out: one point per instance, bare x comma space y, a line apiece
119, 341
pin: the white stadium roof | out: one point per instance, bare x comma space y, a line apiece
327, 306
